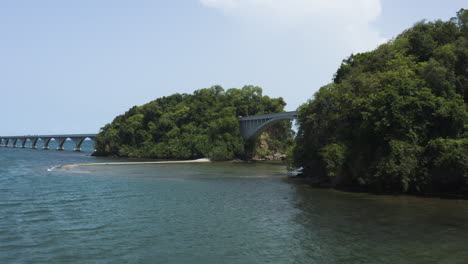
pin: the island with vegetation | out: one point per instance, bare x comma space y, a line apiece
198, 125
394, 120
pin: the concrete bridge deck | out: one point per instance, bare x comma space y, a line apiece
21, 141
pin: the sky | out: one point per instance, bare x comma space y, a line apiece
72, 66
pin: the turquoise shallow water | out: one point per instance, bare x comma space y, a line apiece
209, 213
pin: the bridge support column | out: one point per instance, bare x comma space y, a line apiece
60, 142
15, 140
23, 142
7, 140
45, 143
33, 142
78, 141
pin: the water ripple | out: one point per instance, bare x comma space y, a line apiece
209, 213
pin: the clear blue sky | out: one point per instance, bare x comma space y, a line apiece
72, 66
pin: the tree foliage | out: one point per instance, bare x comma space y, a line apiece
394, 119
185, 126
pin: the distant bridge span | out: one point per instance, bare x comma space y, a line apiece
20, 141
250, 128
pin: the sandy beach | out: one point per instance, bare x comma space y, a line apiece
133, 163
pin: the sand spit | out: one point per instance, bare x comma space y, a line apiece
132, 163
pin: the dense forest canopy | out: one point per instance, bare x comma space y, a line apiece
186, 126
394, 119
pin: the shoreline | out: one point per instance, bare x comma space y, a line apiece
119, 163
69, 166
302, 180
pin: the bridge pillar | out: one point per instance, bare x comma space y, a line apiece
15, 140
78, 141
45, 143
60, 142
23, 142
33, 142
7, 140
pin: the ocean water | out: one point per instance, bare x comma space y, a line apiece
208, 213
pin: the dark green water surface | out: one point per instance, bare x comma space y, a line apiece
209, 213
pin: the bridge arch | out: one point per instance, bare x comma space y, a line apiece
252, 126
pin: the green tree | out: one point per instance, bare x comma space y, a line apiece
185, 126
395, 119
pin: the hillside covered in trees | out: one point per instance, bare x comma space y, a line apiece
187, 126
394, 119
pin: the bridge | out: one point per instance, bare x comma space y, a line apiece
21, 141
250, 128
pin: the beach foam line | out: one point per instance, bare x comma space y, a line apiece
132, 163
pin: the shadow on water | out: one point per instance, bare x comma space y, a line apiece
340, 227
